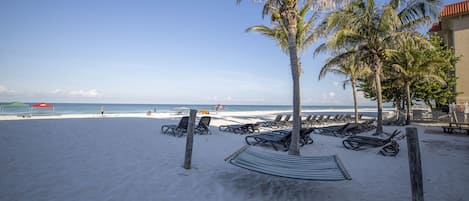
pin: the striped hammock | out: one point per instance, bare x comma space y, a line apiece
319, 168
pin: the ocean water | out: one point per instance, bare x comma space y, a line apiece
93, 108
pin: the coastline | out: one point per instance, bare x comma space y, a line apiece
220, 114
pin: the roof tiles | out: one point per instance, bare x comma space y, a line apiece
455, 9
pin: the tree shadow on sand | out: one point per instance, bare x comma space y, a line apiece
253, 186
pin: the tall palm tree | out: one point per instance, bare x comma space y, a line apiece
286, 13
305, 34
413, 63
374, 32
350, 66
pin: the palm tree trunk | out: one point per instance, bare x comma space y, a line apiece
355, 107
294, 145
377, 72
409, 101
290, 16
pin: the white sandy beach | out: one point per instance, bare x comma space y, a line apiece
127, 158
241, 116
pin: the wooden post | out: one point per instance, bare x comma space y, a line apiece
190, 139
415, 165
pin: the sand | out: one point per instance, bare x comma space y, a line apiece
127, 158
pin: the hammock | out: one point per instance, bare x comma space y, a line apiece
319, 168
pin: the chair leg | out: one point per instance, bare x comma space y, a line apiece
273, 145
348, 144
392, 149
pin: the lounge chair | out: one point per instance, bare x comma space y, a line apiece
360, 117
394, 122
305, 137
319, 168
307, 120
334, 118
241, 128
286, 122
279, 137
324, 119
312, 120
272, 124
321, 119
369, 124
342, 130
348, 118
389, 146
176, 130
203, 126
340, 118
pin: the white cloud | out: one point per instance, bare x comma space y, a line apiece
85, 93
56, 91
4, 90
332, 94
228, 98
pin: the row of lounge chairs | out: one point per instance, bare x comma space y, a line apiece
388, 146
255, 127
309, 120
312, 120
180, 129
241, 128
347, 129
278, 122
279, 138
456, 127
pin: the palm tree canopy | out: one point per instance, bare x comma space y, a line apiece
415, 61
347, 64
305, 34
365, 27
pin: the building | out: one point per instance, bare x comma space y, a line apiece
453, 27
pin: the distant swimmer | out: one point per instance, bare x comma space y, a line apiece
102, 111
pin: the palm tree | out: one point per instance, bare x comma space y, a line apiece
374, 33
350, 66
286, 13
413, 63
305, 35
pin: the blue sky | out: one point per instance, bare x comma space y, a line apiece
192, 52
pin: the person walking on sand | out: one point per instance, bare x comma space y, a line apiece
102, 111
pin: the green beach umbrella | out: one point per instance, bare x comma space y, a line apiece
15, 104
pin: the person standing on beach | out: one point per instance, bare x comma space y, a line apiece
102, 111
218, 107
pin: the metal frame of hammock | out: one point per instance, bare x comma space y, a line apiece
317, 168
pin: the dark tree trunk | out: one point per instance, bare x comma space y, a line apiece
409, 102
355, 105
289, 14
376, 67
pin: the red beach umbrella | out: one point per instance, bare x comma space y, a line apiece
43, 105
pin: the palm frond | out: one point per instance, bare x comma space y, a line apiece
418, 8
